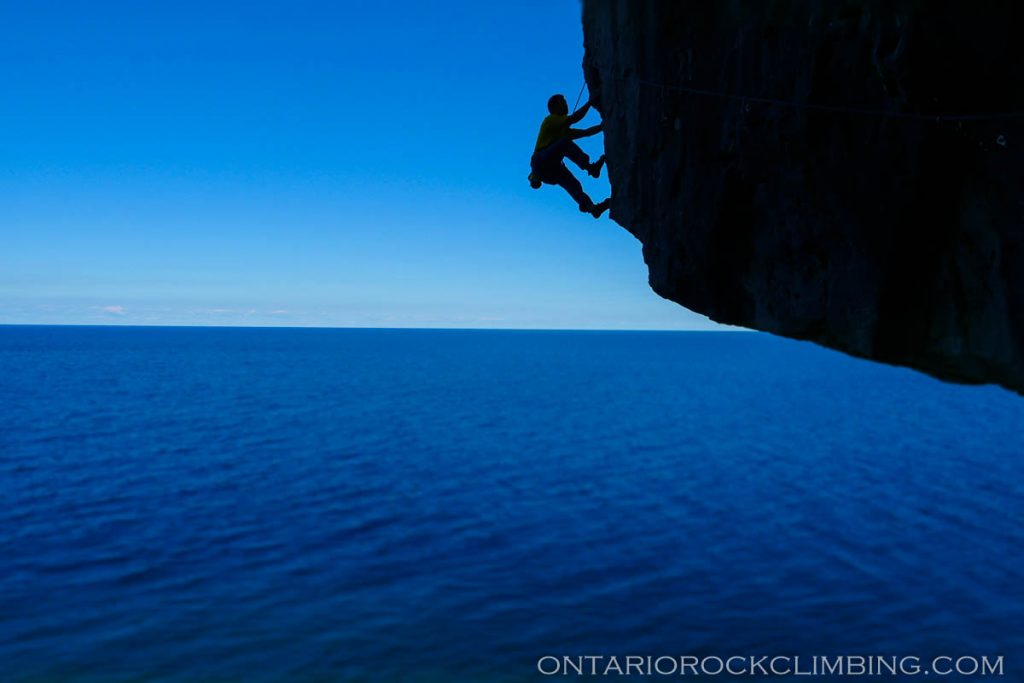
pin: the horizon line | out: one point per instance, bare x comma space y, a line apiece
359, 327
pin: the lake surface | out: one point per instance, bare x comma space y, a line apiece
214, 505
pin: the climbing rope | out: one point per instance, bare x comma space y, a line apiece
747, 99
582, 87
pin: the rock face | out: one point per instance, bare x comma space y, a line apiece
792, 166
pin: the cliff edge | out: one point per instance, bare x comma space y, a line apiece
848, 173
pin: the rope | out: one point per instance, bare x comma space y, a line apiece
579, 96
825, 107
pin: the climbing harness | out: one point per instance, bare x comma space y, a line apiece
535, 183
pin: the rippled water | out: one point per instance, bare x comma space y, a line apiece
335, 505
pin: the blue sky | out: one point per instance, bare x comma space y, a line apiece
299, 163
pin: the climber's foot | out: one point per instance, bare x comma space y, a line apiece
595, 168
600, 208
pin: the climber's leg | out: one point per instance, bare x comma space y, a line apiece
564, 178
563, 149
576, 155
571, 151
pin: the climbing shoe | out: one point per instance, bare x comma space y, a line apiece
595, 168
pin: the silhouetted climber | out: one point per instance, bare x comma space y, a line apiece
555, 142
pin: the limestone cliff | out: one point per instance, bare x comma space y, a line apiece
805, 168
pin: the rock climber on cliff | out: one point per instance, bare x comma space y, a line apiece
555, 142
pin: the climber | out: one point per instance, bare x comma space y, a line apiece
556, 141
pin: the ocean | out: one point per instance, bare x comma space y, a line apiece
219, 505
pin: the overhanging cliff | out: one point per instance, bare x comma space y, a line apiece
806, 168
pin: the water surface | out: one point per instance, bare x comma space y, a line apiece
188, 504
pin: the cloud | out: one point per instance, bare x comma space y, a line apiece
280, 311
115, 310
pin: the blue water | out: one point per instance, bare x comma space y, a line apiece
340, 505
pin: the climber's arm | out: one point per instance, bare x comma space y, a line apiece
577, 133
578, 115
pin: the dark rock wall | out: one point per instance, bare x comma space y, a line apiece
875, 231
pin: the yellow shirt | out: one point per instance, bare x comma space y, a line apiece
553, 128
